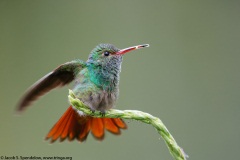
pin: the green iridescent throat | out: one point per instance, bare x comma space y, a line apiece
105, 72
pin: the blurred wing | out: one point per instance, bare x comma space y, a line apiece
59, 77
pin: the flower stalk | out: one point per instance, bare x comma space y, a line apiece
176, 151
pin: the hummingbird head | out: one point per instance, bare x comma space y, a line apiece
103, 54
104, 63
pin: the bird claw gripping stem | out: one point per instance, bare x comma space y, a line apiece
176, 151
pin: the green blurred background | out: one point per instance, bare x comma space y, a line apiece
189, 77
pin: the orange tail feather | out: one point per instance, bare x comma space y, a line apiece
71, 125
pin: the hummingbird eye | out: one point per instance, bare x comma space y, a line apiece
106, 53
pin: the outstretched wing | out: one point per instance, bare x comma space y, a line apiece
59, 77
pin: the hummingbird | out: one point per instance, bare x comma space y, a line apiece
96, 84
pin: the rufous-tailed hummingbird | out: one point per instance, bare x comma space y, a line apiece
96, 85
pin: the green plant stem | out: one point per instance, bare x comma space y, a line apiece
174, 149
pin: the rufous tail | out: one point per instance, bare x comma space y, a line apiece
71, 125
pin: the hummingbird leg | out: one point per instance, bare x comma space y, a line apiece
102, 113
92, 110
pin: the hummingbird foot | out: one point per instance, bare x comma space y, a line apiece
102, 113
92, 110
